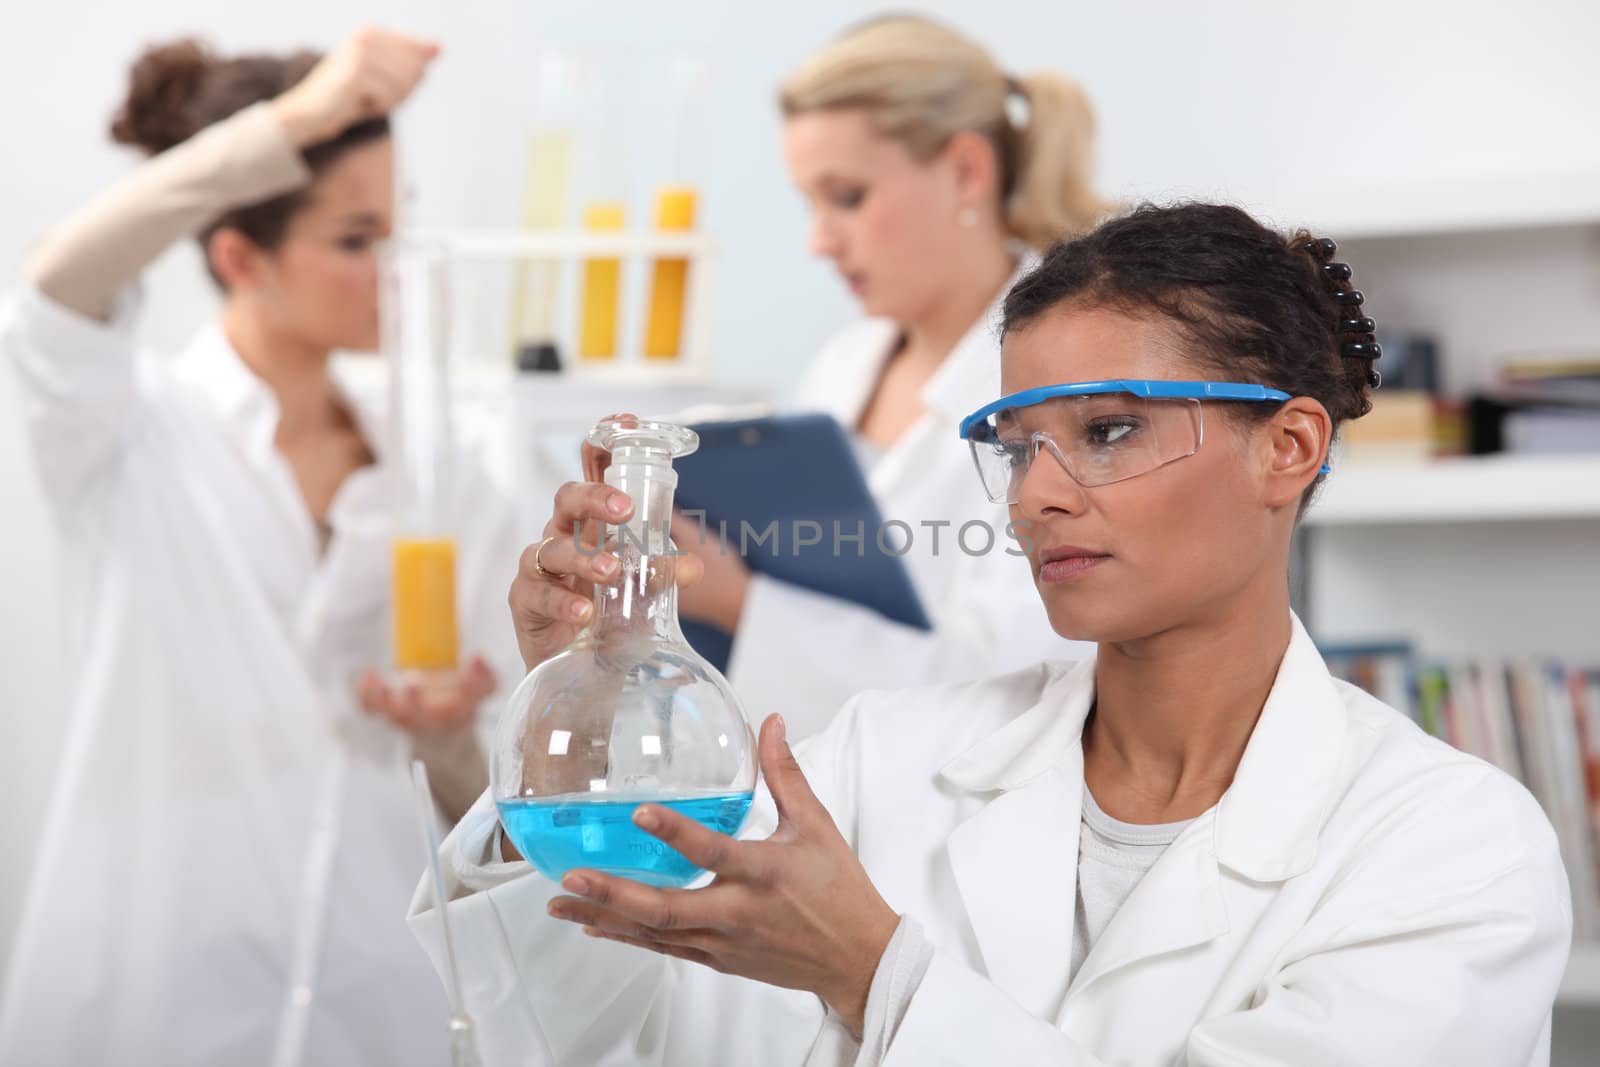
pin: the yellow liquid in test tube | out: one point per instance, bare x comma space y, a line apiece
669, 279
533, 313
597, 334
425, 604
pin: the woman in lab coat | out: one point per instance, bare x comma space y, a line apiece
1195, 847
932, 176
229, 829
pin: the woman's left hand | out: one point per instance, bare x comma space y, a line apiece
718, 597
435, 702
796, 910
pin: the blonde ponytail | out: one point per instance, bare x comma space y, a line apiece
1052, 194
921, 83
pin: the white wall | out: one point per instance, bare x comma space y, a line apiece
1485, 295
1310, 110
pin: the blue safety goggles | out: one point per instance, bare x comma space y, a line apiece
1100, 432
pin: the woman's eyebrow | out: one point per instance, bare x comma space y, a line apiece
829, 177
362, 218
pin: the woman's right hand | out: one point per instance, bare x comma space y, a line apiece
549, 607
367, 76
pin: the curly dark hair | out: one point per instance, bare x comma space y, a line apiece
177, 89
1250, 304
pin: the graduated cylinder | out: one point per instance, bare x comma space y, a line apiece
416, 342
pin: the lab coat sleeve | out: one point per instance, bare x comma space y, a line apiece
1397, 966
103, 247
540, 992
900, 970
804, 653
69, 330
78, 384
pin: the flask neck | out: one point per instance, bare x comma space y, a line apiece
643, 601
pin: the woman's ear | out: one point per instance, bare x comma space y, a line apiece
235, 259
976, 168
1298, 437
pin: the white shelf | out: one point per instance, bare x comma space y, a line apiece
1581, 984
1502, 488
690, 369
564, 243
1465, 204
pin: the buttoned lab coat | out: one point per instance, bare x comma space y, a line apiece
230, 840
804, 654
1362, 895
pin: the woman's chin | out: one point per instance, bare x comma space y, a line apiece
362, 343
1077, 624
874, 306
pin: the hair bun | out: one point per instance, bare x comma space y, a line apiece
162, 88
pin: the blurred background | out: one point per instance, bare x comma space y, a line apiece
1453, 564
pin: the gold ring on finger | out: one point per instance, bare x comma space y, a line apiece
538, 564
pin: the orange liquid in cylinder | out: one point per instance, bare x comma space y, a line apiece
424, 577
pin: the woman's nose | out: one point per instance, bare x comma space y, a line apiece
823, 239
1047, 486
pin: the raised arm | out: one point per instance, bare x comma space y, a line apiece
252, 156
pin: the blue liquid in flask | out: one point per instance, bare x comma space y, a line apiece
558, 834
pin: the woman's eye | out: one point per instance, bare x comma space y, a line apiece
849, 199
1015, 452
355, 242
1111, 431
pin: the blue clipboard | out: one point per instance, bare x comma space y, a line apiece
776, 483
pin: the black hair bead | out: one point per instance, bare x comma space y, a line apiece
1357, 326
1337, 271
1362, 349
1350, 298
1321, 247
1374, 379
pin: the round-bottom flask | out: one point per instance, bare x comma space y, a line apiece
629, 713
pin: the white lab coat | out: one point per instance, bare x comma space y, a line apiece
230, 841
804, 654
1361, 895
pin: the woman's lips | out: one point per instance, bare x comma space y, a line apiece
856, 282
1061, 564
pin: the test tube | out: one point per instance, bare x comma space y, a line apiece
545, 199
603, 169
416, 343
687, 102
602, 282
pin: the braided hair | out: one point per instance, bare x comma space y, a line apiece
1251, 304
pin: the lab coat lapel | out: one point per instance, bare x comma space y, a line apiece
853, 373
1018, 855
1176, 905
1266, 826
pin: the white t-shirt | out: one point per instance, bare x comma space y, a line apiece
1112, 856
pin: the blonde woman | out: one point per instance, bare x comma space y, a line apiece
932, 176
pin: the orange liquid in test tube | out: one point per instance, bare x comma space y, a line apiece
669, 279
424, 591
602, 279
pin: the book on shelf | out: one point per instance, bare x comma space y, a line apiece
1543, 403
1398, 430
1537, 721
1552, 430
1551, 366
